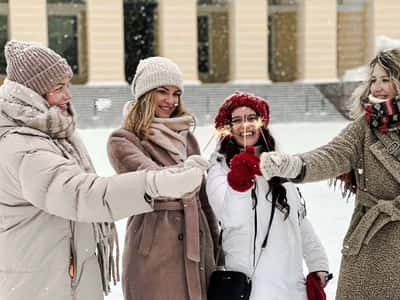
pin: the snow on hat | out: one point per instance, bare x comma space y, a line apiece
258, 104
154, 72
35, 66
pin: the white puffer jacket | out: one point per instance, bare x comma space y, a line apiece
279, 274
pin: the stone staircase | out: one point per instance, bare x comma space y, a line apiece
289, 102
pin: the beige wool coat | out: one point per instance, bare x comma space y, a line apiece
168, 254
370, 255
49, 201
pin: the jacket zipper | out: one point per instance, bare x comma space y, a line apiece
73, 262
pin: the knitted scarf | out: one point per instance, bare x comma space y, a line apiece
171, 135
383, 116
26, 108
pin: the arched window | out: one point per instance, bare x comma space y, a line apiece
67, 33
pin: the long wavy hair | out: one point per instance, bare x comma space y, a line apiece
142, 112
230, 148
389, 60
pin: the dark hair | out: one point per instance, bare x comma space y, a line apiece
230, 148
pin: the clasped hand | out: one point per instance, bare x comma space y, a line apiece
243, 170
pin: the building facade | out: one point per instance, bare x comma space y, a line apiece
238, 41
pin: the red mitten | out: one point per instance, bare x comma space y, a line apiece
243, 168
314, 289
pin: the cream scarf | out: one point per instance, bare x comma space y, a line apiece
171, 135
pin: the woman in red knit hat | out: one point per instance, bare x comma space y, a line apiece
242, 201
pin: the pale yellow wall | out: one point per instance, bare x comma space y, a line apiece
317, 40
248, 40
177, 33
105, 33
383, 19
28, 20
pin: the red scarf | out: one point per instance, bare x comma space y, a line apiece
383, 116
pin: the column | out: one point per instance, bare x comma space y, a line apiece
105, 31
248, 41
28, 20
317, 31
177, 33
383, 24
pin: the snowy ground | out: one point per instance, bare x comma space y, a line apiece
328, 212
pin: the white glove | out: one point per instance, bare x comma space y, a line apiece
196, 161
173, 182
280, 164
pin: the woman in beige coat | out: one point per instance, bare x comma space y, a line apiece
56, 233
367, 153
168, 253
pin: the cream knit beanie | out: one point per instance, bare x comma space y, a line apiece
35, 66
154, 72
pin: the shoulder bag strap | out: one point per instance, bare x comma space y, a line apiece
264, 244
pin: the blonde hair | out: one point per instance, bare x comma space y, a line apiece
142, 112
389, 60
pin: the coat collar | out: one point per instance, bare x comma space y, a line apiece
381, 152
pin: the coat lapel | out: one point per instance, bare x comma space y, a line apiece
390, 163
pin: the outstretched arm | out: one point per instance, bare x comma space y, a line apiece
337, 157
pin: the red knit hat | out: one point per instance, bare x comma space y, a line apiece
258, 104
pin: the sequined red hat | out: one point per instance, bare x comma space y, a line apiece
258, 104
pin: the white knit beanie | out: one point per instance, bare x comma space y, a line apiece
154, 72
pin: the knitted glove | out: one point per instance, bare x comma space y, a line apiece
196, 161
280, 164
173, 182
314, 289
243, 170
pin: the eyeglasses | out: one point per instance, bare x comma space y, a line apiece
252, 119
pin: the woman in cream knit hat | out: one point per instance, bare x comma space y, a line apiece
169, 252
57, 235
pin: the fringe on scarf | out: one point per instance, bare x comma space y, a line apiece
346, 184
107, 253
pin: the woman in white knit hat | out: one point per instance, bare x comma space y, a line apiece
57, 234
169, 252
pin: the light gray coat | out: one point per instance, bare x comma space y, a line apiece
47, 204
371, 260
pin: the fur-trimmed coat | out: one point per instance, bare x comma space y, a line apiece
166, 255
49, 197
371, 261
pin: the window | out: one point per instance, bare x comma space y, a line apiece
63, 38
211, 2
281, 2
67, 33
140, 33
3, 34
203, 55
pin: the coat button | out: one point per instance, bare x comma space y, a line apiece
180, 236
